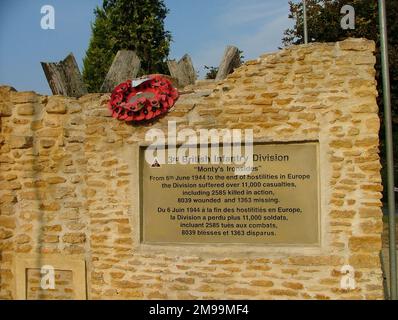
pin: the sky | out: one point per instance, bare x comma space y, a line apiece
201, 28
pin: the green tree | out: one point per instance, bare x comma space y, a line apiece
211, 73
324, 26
323, 20
126, 24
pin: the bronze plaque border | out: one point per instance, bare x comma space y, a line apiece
141, 150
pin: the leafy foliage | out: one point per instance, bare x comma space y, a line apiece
127, 24
323, 20
212, 73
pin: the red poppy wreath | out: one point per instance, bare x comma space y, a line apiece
143, 99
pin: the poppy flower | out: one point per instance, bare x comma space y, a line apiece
130, 116
116, 97
150, 114
123, 87
140, 116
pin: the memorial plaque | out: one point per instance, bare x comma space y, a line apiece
277, 203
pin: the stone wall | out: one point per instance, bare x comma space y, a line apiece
69, 182
63, 289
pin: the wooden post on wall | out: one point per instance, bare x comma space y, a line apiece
126, 65
230, 61
64, 77
182, 70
